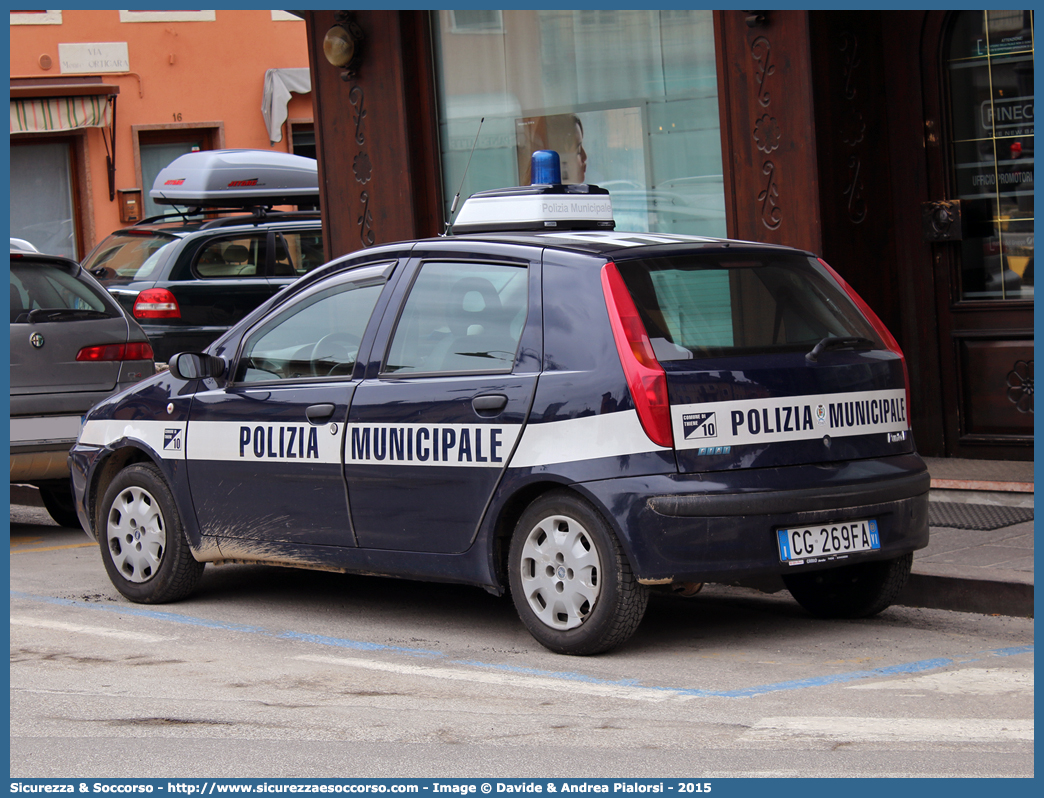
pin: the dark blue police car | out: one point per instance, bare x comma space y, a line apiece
535, 403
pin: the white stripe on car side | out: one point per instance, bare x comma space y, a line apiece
587, 438
789, 418
166, 438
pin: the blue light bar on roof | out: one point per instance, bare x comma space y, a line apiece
545, 205
546, 168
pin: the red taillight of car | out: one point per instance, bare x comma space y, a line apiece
646, 378
878, 325
106, 352
156, 303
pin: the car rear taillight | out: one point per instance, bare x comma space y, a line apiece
156, 303
646, 378
106, 352
886, 336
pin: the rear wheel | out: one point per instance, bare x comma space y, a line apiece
142, 539
59, 503
852, 591
570, 580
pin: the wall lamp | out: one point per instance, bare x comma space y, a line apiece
342, 45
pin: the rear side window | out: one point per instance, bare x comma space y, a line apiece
716, 305
233, 257
460, 317
43, 286
298, 253
128, 257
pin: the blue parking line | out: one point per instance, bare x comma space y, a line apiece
339, 642
920, 666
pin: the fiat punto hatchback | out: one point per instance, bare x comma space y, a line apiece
536, 404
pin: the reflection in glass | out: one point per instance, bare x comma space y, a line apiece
990, 70
628, 98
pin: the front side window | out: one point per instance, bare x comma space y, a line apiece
717, 305
318, 336
460, 317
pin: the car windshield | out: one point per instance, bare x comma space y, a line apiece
38, 287
713, 305
128, 257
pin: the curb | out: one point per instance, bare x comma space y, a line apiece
965, 594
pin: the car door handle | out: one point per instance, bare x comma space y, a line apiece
489, 403
319, 414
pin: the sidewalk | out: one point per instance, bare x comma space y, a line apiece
980, 554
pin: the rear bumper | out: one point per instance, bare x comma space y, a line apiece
720, 527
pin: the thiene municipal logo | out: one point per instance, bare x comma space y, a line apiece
172, 439
699, 425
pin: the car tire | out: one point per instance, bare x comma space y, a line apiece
60, 505
852, 591
570, 580
142, 539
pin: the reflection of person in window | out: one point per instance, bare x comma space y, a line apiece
563, 133
573, 155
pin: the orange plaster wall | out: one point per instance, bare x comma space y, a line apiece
204, 71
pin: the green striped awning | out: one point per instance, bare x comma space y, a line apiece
46, 114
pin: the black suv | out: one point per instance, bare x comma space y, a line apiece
188, 276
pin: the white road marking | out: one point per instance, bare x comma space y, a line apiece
970, 681
101, 631
504, 679
890, 730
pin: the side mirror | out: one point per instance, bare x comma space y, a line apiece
193, 366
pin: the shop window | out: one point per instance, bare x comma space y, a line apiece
477, 20
627, 98
989, 65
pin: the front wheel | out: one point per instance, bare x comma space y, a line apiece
142, 540
570, 580
852, 591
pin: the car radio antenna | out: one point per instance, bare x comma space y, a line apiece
456, 197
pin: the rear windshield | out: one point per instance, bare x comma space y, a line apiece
46, 287
713, 305
127, 257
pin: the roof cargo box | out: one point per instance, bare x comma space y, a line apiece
237, 178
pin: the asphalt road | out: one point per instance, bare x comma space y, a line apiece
269, 672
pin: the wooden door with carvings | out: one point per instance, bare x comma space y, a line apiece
978, 90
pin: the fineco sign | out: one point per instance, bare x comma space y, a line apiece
93, 57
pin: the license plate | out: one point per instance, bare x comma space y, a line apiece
825, 542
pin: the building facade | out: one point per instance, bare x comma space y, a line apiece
102, 100
896, 145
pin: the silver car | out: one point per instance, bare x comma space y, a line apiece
71, 346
